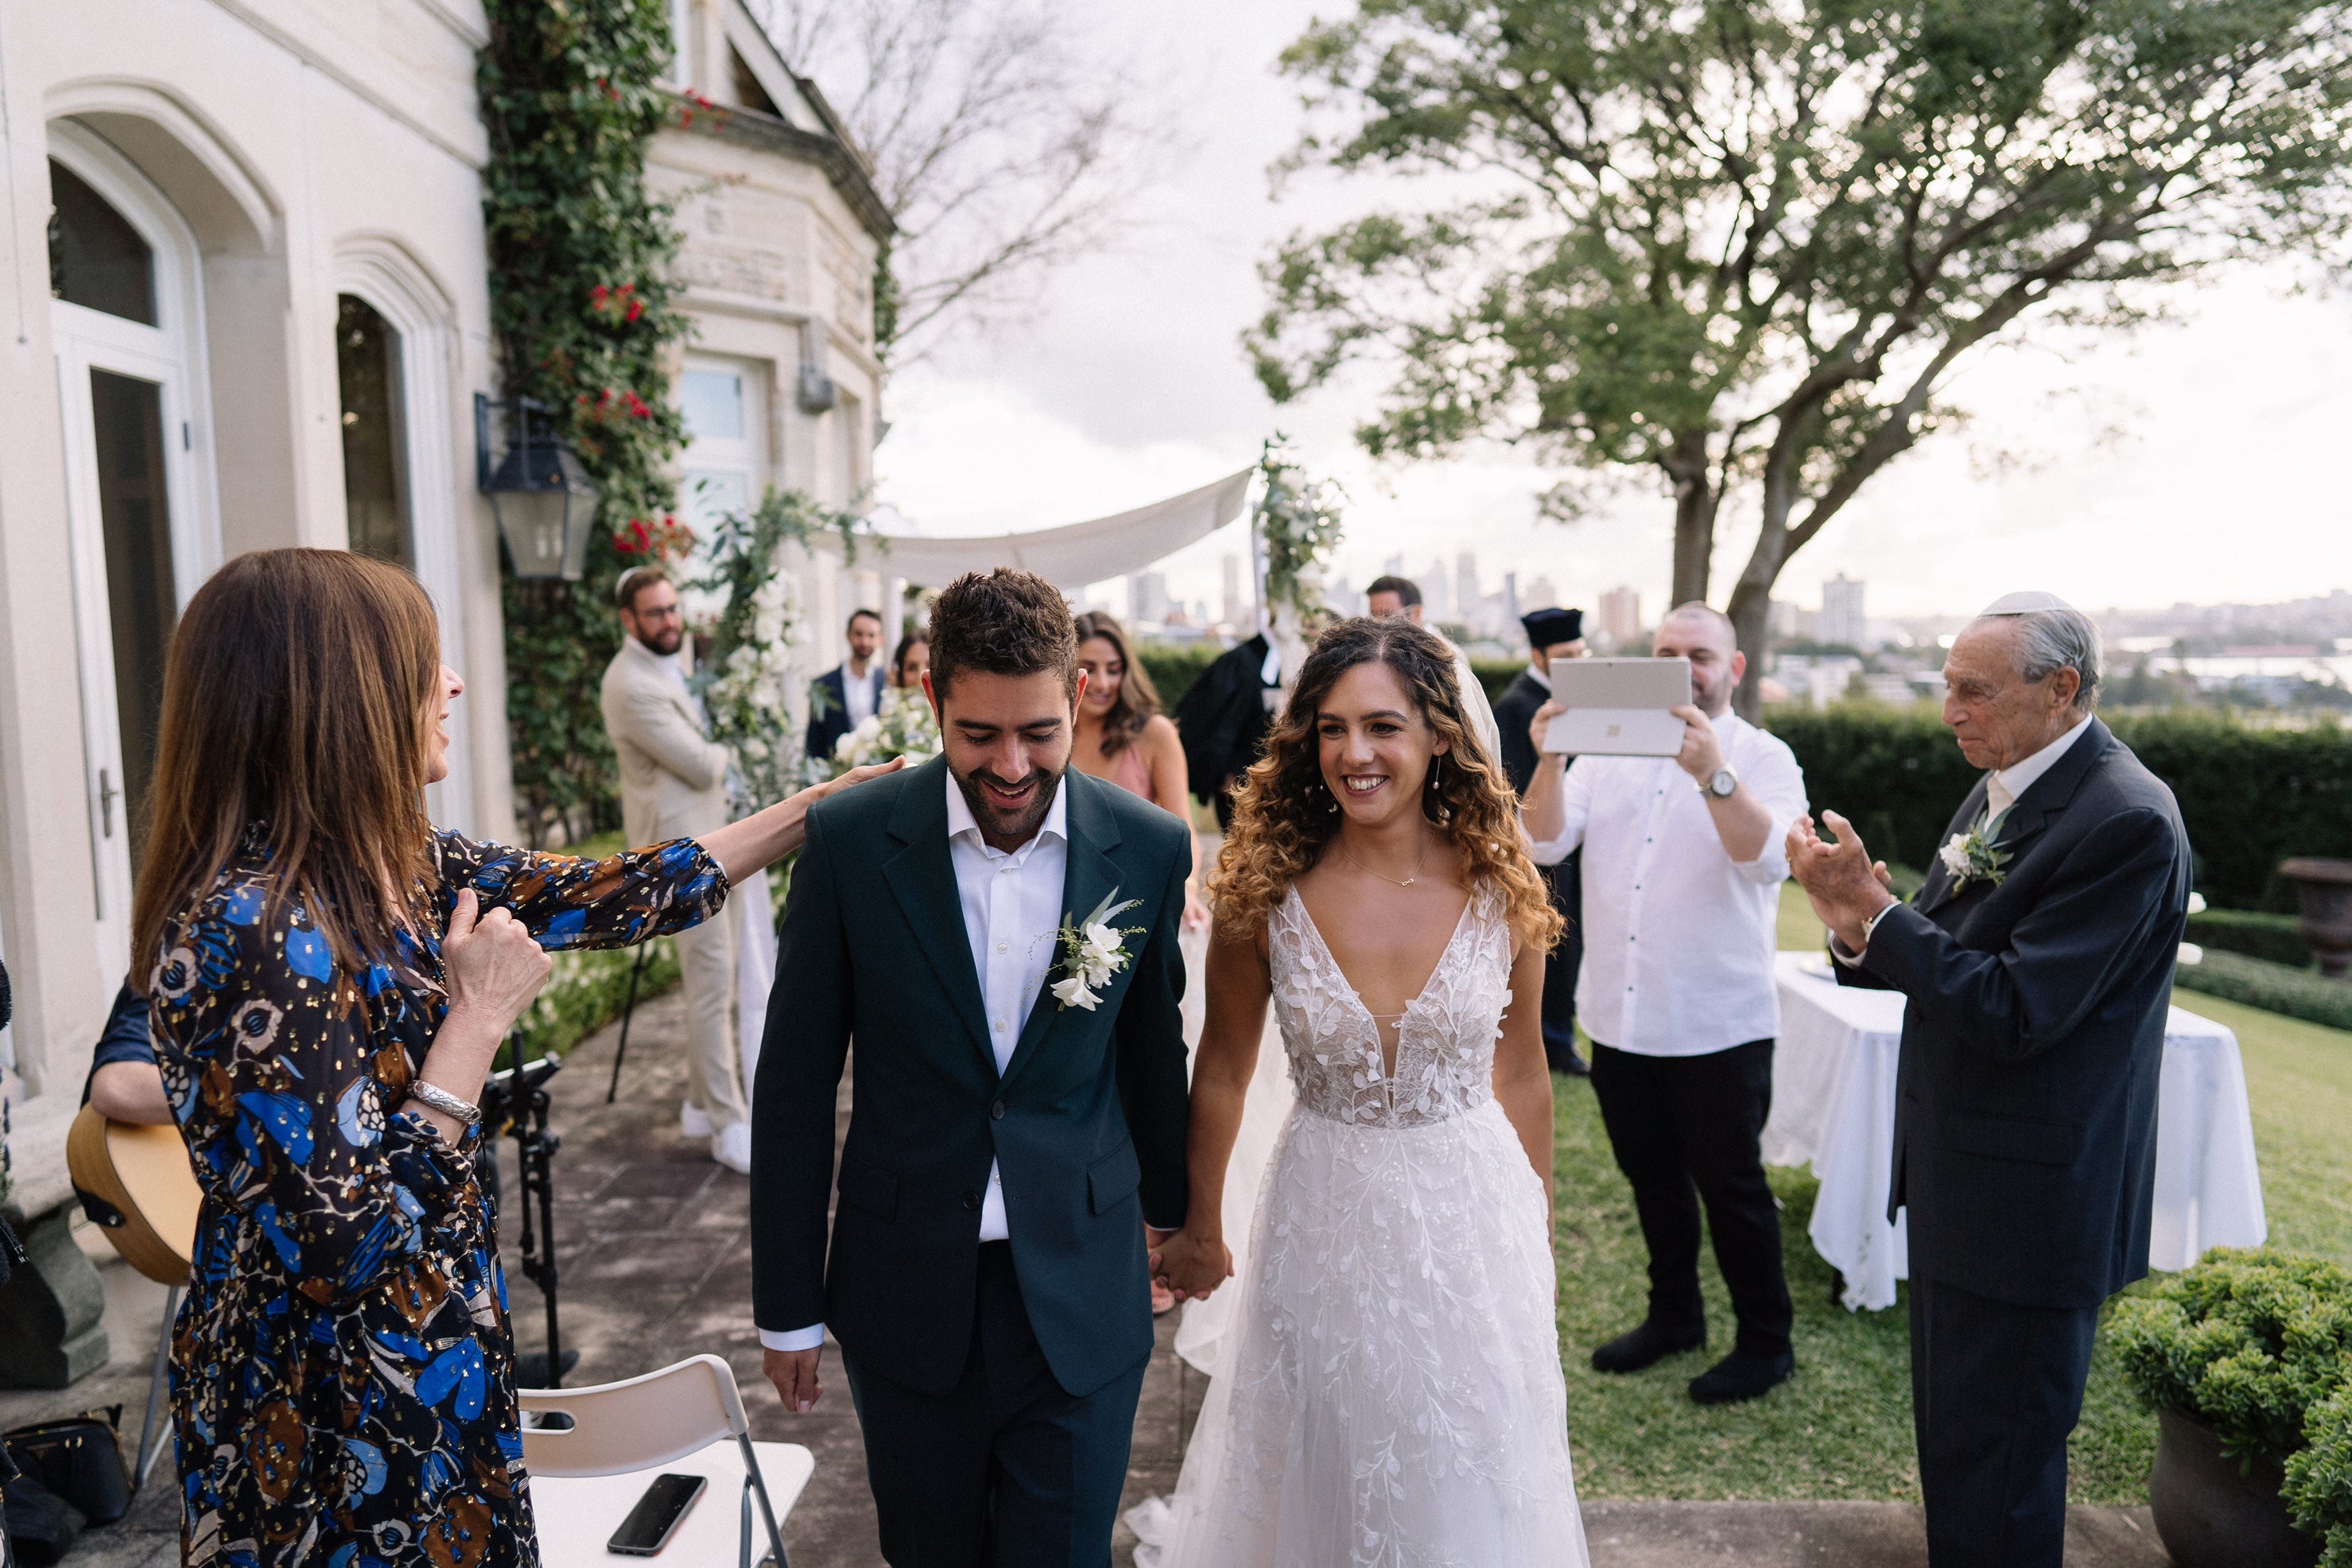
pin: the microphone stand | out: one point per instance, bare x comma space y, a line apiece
516, 1103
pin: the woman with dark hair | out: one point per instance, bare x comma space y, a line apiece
1123, 737
909, 661
328, 980
1391, 1390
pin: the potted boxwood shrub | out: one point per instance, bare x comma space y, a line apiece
2319, 1479
2237, 1355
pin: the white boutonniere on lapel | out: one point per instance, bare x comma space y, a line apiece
1093, 951
1973, 857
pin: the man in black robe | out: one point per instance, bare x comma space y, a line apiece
1551, 634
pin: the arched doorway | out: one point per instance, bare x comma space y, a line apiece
124, 317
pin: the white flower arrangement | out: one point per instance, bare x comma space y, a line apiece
747, 681
901, 725
1092, 952
1973, 857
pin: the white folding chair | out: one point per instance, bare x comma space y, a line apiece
687, 1419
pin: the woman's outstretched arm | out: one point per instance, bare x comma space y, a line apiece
1195, 1260
766, 836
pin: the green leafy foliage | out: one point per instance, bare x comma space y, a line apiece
743, 681
1744, 246
2248, 1342
2275, 939
2251, 797
1298, 520
2273, 987
583, 306
2318, 1487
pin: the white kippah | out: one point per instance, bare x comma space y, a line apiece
2030, 601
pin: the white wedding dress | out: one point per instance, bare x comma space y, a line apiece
1389, 1394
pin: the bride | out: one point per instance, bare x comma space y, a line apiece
1390, 1393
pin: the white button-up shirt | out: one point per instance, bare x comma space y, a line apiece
1012, 907
861, 694
1678, 937
2019, 776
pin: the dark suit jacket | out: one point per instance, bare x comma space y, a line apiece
1514, 712
1223, 718
1089, 1116
830, 724
2025, 1105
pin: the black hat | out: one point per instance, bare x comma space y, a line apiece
1551, 627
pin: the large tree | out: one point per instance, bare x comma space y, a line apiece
1744, 246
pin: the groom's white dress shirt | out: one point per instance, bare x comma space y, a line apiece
1012, 907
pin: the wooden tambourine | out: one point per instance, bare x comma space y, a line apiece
136, 1182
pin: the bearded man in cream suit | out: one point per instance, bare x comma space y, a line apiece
673, 786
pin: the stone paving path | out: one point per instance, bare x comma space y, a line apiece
655, 1252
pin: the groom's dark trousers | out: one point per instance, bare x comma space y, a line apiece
2025, 1129
997, 1382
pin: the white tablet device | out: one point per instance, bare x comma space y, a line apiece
1617, 707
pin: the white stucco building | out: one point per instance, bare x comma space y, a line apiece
246, 305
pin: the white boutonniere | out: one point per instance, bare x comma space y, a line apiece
1973, 857
1093, 951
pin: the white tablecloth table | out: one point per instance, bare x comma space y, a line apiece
1833, 1108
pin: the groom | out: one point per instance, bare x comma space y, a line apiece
1014, 1124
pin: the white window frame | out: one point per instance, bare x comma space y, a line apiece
381, 272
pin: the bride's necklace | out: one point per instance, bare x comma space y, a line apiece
1417, 863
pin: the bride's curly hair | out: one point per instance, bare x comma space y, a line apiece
1285, 817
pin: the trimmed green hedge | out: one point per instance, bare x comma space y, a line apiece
2273, 987
2251, 797
2274, 938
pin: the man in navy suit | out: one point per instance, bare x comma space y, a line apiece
2037, 962
845, 696
1015, 1124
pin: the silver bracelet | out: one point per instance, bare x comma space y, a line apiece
448, 1104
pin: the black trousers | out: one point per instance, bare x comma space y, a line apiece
1995, 1390
1567, 883
1685, 1130
1005, 1469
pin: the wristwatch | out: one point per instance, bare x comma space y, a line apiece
1721, 786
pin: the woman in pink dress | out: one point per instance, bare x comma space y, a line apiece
1123, 737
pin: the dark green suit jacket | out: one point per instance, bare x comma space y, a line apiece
1087, 1123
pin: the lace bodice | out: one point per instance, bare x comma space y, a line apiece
1445, 1040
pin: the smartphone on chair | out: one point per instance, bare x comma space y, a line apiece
656, 1518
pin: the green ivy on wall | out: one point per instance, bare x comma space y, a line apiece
582, 301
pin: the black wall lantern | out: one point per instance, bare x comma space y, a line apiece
543, 499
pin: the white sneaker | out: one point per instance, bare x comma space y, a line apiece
732, 1147
692, 1121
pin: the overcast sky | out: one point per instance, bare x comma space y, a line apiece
2209, 460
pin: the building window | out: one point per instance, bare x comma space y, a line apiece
97, 260
375, 470
134, 513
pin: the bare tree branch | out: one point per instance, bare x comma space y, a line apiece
1007, 137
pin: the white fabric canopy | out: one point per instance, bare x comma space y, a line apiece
1072, 556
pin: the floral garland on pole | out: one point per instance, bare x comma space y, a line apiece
583, 305
1297, 521
745, 681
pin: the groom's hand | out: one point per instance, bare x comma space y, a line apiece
795, 1375
1188, 1265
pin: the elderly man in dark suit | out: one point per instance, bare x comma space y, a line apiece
1552, 633
2037, 964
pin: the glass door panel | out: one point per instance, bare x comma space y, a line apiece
142, 598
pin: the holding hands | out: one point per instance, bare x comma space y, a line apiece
1189, 1264
1846, 888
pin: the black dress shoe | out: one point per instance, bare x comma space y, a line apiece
1576, 1066
1742, 1374
1644, 1346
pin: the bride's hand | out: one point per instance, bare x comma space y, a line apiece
1193, 1265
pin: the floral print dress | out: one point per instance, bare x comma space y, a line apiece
342, 1372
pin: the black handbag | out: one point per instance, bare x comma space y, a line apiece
79, 1459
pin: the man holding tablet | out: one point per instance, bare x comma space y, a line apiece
1683, 863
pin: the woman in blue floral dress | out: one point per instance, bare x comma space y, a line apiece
330, 979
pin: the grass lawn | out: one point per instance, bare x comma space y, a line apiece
1842, 1428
